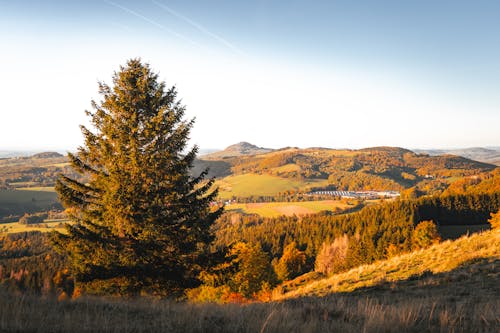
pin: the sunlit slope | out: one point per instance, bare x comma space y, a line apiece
467, 261
251, 184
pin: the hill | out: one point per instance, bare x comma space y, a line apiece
48, 154
377, 168
469, 264
236, 150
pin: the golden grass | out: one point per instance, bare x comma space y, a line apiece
287, 168
274, 209
47, 226
430, 311
440, 258
37, 188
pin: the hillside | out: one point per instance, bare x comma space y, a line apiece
378, 168
470, 263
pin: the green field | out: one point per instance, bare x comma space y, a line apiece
274, 209
15, 202
48, 225
250, 184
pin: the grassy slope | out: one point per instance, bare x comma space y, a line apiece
461, 260
249, 184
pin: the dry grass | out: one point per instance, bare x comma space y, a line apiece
274, 209
38, 188
337, 313
47, 226
440, 258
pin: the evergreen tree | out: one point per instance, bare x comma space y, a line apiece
142, 221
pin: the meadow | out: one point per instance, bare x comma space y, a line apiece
46, 226
274, 209
250, 184
19, 202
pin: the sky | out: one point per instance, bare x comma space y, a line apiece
338, 74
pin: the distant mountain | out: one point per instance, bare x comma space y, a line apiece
377, 168
486, 155
48, 154
236, 150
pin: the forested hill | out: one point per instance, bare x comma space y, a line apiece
378, 168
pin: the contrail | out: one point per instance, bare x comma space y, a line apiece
156, 24
200, 28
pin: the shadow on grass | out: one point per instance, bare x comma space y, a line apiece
477, 279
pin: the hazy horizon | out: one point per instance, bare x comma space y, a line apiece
14, 152
331, 74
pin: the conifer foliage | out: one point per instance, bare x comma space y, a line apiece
142, 221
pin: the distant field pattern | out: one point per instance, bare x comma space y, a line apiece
274, 209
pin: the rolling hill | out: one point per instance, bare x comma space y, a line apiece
245, 170
378, 168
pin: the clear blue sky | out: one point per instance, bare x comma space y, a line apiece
415, 74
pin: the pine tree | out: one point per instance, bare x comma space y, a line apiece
142, 221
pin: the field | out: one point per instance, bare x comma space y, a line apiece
371, 312
274, 209
247, 185
38, 188
15, 202
46, 226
